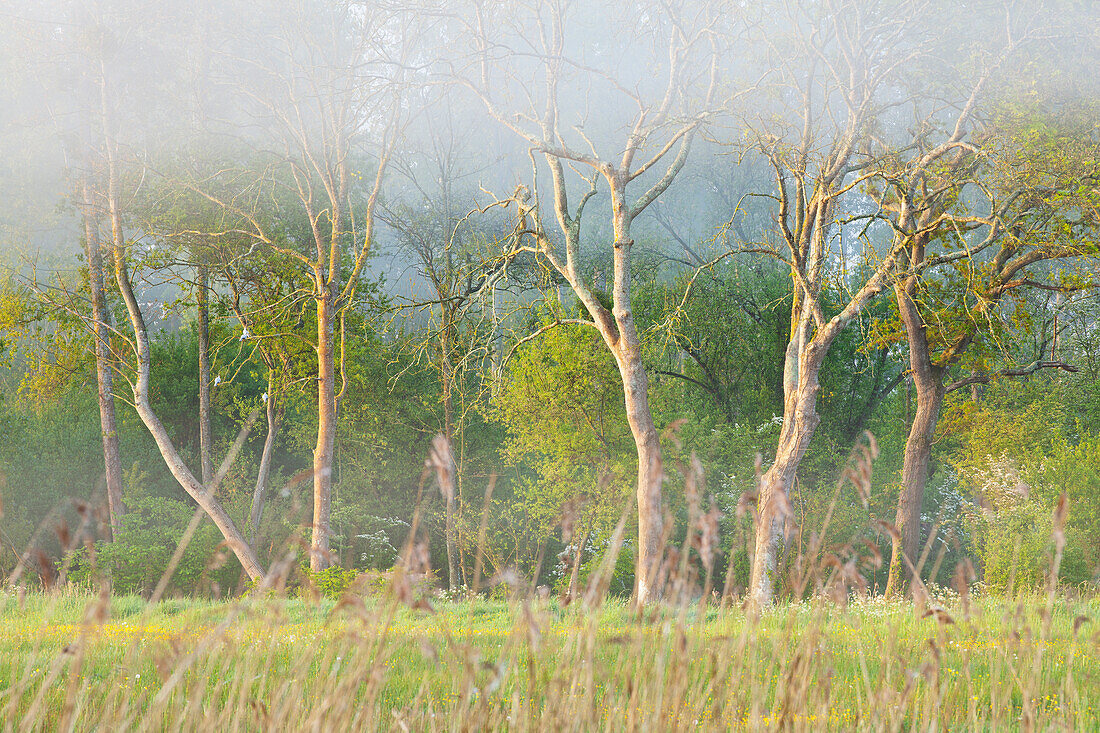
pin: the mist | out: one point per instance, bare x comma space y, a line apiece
269, 255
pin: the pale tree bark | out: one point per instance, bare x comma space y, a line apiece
823, 157
140, 344
103, 359
812, 335
195, 488
626, 347
660, 135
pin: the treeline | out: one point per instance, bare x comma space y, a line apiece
804, 280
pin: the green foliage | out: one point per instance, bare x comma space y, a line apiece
1017, 453
144, 543
561, 402
742, 567
1011, 532
332, 582
364, 540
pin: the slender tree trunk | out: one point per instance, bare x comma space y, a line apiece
575, 572
446, 378
259, 494
205, 438
196, 489
326, 425
108, 422
626, 347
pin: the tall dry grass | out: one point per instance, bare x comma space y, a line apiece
836, 659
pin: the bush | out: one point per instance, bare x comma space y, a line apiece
622, 577
332, 582
1012, 543
143, 545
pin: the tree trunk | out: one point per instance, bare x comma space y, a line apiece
650, 472
108, 423
914, 480
197, 490
320, 554
446, 379
625, 345
205, 438
575, 573
259, 494
928, 384
194, 488
800, 420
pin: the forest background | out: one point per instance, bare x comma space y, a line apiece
673, 259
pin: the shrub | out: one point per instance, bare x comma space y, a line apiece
143, 545
332, 582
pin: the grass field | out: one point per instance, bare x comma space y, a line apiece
75, 661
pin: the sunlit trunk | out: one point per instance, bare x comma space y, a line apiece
626, 347
650, 472
320, 552
800, 420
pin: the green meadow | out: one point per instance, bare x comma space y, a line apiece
78, 662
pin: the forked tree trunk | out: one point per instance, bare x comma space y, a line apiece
806, 350
108, 422
800, 420
205, 438
320, 550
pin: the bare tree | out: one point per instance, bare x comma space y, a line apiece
668, 101
325, 79
457, 253
832, 71
104, 70
851, 71
105, 54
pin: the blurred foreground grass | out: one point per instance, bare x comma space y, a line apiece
75, 661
